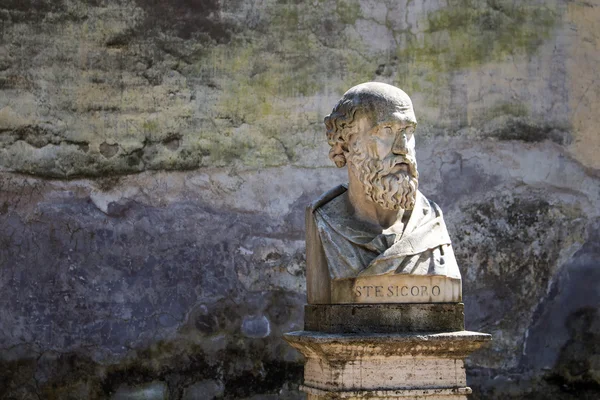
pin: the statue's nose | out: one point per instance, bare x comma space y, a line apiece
400, 144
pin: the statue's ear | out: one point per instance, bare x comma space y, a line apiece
344, 147
337, 154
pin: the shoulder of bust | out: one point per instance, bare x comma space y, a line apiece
327, 197
432, 204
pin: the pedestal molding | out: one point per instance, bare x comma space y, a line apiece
343, 346
370, 394
384, 318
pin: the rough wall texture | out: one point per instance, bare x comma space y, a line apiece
156, 158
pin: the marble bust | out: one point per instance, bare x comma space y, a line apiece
377, 239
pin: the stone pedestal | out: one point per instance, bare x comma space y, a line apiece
385, 351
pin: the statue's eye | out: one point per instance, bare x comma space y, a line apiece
384, 132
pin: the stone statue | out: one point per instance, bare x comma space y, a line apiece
377, 239
372, 242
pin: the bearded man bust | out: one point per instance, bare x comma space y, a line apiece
377, 239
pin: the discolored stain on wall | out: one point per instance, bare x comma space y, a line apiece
197, 19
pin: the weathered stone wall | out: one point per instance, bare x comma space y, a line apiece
156, 158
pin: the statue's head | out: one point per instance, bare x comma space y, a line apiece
371, 129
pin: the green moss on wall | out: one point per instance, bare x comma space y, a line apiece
150, 126
472, 32
348, 11
247, 85
515, 109
469, 34
264, 76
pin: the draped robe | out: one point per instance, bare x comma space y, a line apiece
351, 249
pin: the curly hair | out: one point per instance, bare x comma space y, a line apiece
339, 124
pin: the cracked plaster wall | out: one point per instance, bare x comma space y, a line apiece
156, 159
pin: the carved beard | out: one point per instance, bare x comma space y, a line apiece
392, 191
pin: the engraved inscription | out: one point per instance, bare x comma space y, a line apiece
397, 288
378, 291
